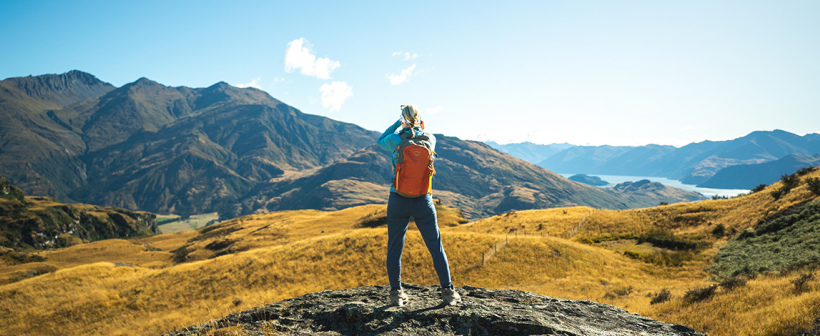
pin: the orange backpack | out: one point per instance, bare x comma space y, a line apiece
414, 166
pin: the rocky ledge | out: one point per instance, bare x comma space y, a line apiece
365, 311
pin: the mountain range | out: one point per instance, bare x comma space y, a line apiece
694, 163
184, 150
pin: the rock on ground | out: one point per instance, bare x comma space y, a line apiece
366, 311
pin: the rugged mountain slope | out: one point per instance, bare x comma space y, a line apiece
38, 151
158, 148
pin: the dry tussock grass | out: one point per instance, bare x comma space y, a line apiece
281, 255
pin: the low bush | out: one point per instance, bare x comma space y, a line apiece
790, 182
719, 230
700, 294
665, 238
661, 297
759, 187
621, 292
801, 284
804, 171
732, 283
814, 185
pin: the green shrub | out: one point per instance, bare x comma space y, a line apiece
777, 193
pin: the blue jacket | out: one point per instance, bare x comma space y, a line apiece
390, 140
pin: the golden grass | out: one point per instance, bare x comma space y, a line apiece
286, 254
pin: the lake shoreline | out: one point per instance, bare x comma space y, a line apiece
708, 192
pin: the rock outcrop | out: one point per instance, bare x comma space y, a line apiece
365, 311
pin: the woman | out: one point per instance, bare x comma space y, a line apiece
423, 211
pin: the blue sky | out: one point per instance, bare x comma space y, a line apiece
583, 72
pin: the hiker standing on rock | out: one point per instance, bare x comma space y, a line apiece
411, 196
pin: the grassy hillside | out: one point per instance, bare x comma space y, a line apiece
655, 261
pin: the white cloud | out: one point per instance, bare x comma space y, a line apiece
407, 55
254, 83
433, 110
299, 56
402, 77
335, 94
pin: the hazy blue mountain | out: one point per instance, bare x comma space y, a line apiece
751, 175
692, 164
528, 151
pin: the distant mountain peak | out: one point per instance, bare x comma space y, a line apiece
220, 87
143, 81
60, 89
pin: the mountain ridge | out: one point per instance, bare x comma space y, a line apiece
186, 150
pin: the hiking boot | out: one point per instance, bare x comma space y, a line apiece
397, 297
450, 297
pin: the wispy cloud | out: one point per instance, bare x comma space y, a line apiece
254, 83
402, 77
298, 55
407, 55
335, 94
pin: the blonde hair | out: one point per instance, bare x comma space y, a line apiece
411, 114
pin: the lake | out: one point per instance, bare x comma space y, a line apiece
708, 192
